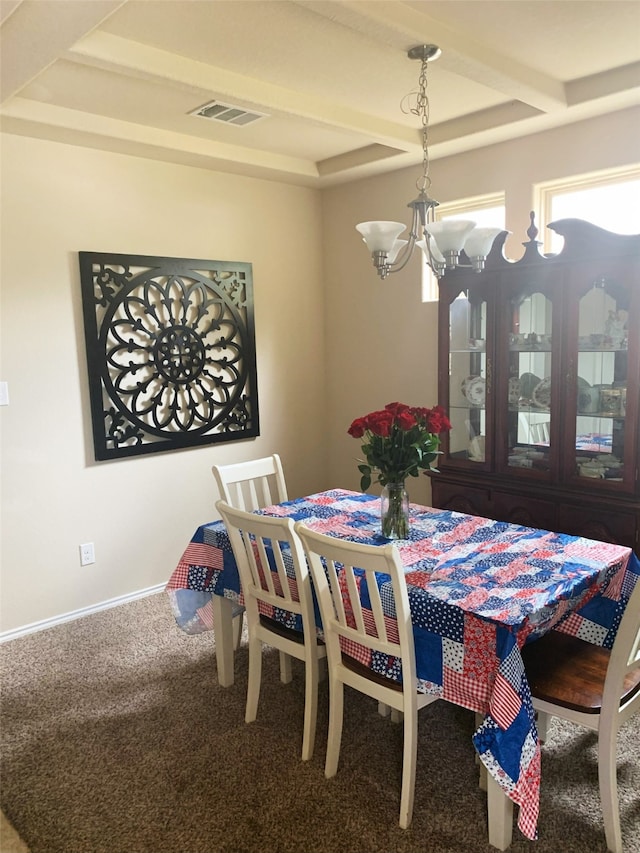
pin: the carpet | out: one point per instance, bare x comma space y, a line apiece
116, 738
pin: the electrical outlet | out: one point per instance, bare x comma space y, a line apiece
87, 554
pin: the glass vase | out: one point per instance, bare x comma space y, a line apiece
394, 511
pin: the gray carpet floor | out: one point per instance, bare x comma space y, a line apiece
115, 738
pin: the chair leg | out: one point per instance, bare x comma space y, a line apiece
310, 705
542, 724
323, 669
285, 668
255, 676
483, 776
334, 735
482, 780
500, 817
409, 756
607, 766
237, 630
223, 633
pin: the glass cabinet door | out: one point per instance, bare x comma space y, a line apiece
529, 383
602, 375
469, 378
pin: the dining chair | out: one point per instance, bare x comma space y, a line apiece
274, 575
540, 432
597, 688
253, 484
341, 572
250, 485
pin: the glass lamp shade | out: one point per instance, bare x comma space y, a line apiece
380, 236
479, 242
450, 234
395, 250
435, 252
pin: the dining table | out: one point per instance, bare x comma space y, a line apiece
479, 589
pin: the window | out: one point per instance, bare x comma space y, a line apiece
484, 210
609, 199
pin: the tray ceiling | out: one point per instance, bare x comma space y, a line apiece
329, 76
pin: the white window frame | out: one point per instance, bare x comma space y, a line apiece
545, 192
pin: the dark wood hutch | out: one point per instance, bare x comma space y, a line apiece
539, 370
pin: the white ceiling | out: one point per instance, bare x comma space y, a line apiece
329, 74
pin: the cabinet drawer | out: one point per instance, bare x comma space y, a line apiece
526, 511
459, 498
618, 527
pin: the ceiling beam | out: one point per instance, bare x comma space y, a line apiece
35, 33
46, 121
119, 55
399, 24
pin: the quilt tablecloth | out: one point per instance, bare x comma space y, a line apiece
478, 590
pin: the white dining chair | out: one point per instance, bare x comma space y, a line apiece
339, 569
540, 432
595, 687
274, 574
250, 485
253, 484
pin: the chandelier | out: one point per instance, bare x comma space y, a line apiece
441, 242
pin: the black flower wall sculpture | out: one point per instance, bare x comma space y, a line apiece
170, 351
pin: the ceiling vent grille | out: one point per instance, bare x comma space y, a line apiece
227, 114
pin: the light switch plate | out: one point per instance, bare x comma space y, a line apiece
4, 393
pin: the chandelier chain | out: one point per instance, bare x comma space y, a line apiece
422, 110
417, 103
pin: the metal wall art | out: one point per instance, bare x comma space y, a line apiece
170, 351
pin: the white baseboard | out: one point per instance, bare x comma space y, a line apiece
78, 614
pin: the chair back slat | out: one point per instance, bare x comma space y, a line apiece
378, 613
258, 560
353, 599
253, 484
279, 556
335, 594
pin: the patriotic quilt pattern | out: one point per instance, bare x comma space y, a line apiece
478, 590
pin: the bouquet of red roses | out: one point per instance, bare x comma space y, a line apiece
399, 442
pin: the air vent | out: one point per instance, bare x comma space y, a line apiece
227, 113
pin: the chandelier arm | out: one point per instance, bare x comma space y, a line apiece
405, 254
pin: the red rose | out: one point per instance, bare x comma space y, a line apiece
380, 423
420, 413
437, 421
396, 408
405, 421
357, 428
444, 420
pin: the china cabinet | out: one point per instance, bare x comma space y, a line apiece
539, 370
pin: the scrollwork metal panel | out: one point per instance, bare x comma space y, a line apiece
170, 351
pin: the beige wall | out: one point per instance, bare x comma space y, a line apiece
323, 318
58, 200
381, 343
